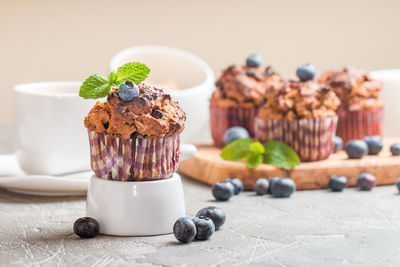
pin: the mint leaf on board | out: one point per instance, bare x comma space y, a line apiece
237, 150
254, 159
280, 155
94, 87
135, 72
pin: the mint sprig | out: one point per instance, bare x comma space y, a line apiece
97, 86
272, 152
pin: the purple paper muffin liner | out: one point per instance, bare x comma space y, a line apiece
312, 139
222, 118
113, 158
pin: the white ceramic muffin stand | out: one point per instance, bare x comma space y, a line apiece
136, 208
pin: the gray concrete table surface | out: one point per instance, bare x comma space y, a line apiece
312, 228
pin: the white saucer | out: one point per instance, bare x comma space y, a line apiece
14, 179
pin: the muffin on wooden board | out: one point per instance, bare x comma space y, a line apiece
303, 115
361, 111
240, 91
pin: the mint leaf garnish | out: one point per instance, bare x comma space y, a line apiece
134, 72
237, 150
280, 155
273, 152
96, 86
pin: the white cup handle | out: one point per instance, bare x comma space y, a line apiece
186, 151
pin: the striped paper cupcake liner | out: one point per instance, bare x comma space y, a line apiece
114, 158
222, 118
358, 124
312, 139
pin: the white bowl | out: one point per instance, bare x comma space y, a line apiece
390, 79
136, 208
192, 75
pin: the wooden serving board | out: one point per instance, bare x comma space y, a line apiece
207, 166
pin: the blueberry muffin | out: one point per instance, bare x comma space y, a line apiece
301, 114
134, 135
240, 91
361, 111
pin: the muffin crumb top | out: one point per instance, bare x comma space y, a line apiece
152, 114
355, 88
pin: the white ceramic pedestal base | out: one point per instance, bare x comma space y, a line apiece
136, 208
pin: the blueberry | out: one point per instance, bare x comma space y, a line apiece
271, 181
356, 149
235, 132
204, 226
338, 143
375, 144
237, 184
215, 214
261, 186
337, 183
305, 72
395, 149
255, 60
366, 181
398, 184
184, 230
283, 187
128, 91
86, 227
223, 191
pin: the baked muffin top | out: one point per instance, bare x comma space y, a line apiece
300, 100
245, 86
152, 114
355, 88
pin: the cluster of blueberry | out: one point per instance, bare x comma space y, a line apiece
225, 190
370, 145
278, 187
365, 182
206, 222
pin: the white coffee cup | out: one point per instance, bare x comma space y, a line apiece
192, 75
50, 136
390, 79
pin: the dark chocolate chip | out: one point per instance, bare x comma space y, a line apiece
134, 134
106, 125
325, 89
250, 73
269, 70
157, 114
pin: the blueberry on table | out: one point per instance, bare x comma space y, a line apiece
271, 181
356, 149
86, 227
338, 143
375, 144
215, 214
261, 186
283, 187
184, 230
235, 132
128, 91
255, 60
395, 149
204, 227
237, 184
337, 183
366, 181
306, 72
398, 184
222, 191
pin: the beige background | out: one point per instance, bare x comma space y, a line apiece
69, 40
